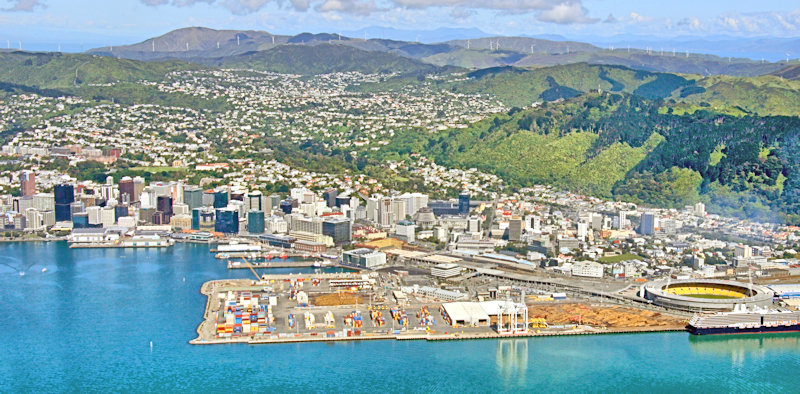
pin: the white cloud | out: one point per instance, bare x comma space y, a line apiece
639, 18
731, 23
566, 13
24, 6
355, 7
551, 11
691, 22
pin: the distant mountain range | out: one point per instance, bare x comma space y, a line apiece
198, 43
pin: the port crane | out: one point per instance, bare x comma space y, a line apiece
258, 278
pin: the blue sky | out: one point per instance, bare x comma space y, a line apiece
123, 21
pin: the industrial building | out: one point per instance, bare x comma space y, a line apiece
589, 269
445, 271
466, 314
366, 258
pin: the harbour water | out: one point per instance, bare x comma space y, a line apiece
88, 321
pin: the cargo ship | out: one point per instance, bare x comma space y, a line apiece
745, 321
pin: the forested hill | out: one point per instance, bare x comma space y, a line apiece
630, 148
765, 95
96, 77
57, 70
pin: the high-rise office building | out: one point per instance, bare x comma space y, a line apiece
120, 211
220, 199
330, 197
337, 228
286, 207
64, 196
203, 219
138, 187
164, 204
227, 221
27, 180
255, 222
515, 227
648, 224
463, 203
255, 201
127, 193
622, 220
193, 197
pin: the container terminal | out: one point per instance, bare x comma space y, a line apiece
375, 305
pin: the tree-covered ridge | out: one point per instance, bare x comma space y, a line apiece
517, 87
97, 78
57, 70
627, 147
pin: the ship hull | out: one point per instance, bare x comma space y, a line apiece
754, 330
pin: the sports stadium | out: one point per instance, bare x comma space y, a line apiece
705, 294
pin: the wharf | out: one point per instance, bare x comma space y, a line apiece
433, 337
277, 264
281, 332
110, 246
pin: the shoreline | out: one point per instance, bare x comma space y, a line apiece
53, 239
435, 337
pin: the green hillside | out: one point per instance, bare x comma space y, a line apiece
627, 147
520, 87
321, 59
96, 77
56, 70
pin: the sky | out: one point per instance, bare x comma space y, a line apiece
114, 22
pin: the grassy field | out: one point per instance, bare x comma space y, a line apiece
622, 257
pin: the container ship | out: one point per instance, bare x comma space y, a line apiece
745, 321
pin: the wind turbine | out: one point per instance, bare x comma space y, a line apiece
59, 48
8, 44
20, 44
467, 44
273, 40
154, 45
217, 44
237, 39
787, 58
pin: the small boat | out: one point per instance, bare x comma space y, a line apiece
317, 264
44, 269
22, 273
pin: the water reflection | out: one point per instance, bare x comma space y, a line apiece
512, 359
740, 347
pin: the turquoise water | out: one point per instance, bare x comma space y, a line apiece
86, 325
